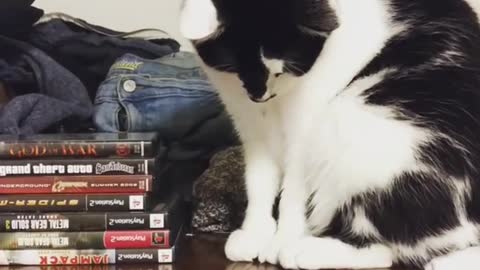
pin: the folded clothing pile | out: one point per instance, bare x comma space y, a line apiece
52, 66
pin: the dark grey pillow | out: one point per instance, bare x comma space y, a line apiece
219, 194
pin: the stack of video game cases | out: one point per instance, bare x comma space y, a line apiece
84, 199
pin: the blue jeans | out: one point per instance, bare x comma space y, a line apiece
170, 95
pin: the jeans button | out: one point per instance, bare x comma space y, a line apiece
129, 86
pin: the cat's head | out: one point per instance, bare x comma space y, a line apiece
258, 40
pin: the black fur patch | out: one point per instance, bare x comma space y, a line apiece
417, 206
341, 227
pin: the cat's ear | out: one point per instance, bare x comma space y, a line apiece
198, 19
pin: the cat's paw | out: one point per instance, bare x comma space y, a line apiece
245, 245
466, 259
445, 264
328, 253
287, 257
270, 254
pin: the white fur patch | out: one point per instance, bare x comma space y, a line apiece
339, 61
273, 65
275, 68
361, 225
198, 19
459, 238
328, 253
467, 259
352, 137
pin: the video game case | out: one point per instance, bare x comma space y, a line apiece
76, 167
95, 257
87, 240
73, 203
81, 145
53, 257
166, 214
126, 266
133, 184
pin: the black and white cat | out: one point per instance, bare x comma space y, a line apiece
363, 114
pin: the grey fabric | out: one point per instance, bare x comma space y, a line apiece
45, 91
219, 194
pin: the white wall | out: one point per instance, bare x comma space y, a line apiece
122, 15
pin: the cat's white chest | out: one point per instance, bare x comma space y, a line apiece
344, 146
340, 141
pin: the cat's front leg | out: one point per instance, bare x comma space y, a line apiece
329, 253
292, 223
262, 177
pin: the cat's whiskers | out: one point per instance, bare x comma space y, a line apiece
225, 67
291, 67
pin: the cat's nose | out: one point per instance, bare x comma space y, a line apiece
263, 99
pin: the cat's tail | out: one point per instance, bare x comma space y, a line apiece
467, 259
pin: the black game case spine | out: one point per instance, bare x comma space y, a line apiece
76, 167
71, 222
73, 203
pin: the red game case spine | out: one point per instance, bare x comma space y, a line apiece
86, 240
132, 184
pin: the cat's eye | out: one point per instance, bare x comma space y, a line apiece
278, 74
